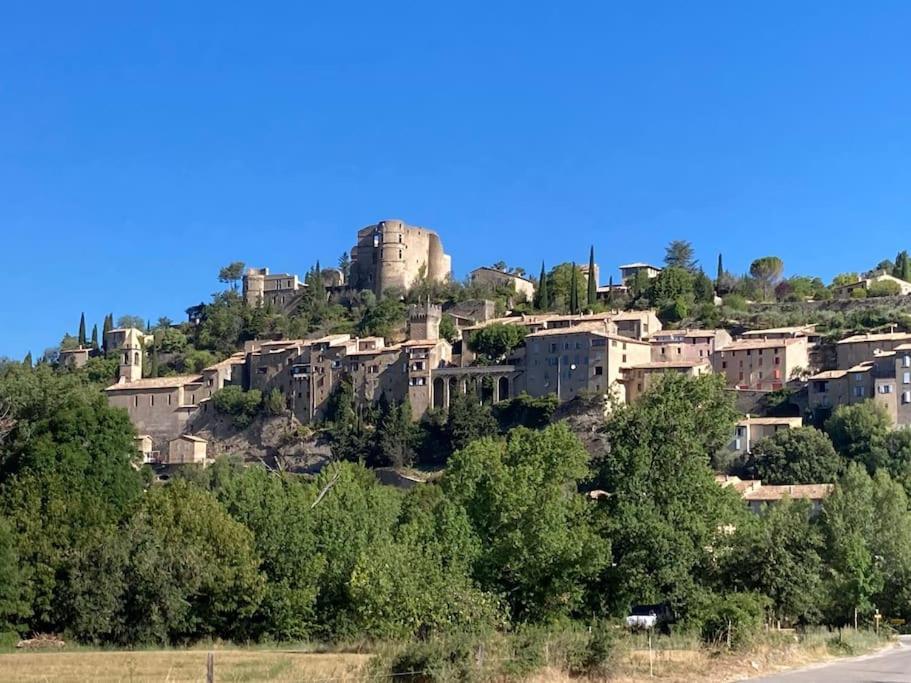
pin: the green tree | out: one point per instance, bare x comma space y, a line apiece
543, 302
845, 279
539, 548
13, 608
680, 254
231, 274
131, 321
192, 570
664, 513
395, 435
884, 288
848, 528
574, 290
719, 274
274, 403
383, 318
82, 338
767, 271
241, 406
95, 336
795, 456
859, 433
592, 292
448, 329
496, 341
703, 289
27, 361
106, 327
344, 265
778, 555
467, 420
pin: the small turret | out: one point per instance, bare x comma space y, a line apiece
131, 356
424, 321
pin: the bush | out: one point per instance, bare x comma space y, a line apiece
240, 405
884, 288
735, 302
275, 403
735, 616
859, 293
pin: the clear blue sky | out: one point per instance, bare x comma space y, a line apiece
143, 145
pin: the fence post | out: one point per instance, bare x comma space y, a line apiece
210, 668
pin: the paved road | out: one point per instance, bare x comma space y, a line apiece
891, 666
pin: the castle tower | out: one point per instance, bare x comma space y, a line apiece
424, 321
254, 286
131, 356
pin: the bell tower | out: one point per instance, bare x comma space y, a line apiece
131, 356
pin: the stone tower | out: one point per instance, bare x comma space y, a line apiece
131, 356
254, 286
424, 321
392, 255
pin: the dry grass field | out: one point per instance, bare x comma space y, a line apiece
180, 666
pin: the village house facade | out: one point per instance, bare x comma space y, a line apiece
762, 364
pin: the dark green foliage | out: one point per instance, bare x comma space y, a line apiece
795, 456
82, 337
542, 295
467, 420
231, 273
448, 330
274, 403
395, 435
574, 290
884, 288
382, 318
95, 336
680, 254
494, 342
665, 508
508, 488
526, 411
719, 275
731, 619
13, 607
241, 406
859, 433
565, 287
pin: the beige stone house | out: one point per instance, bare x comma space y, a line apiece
763, 364
751, 430
854, 350
687, 345
523, 287
639, 378
279, 290
758, 495
393, 254
186, 449
630, 271
75, 358
580, 360
845, 291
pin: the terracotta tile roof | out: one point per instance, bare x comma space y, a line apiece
683, 333
667, 364
829, 374
156, 383
884, 336
744, 344
640, 265
806, 329
794, 491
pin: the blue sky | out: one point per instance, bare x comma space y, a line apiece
143, 145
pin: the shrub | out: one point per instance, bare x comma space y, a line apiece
884, 288
859, 293
240, 405
275, 403
737, 617
735, 302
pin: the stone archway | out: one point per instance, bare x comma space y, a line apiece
439, 393
503, 389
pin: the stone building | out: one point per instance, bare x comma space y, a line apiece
751, 430
523, 287
763, 364
630, 271
393, 254
577, 360
639, 378
186, 449
279, 290
854, 350
687, 345
864, 283
75, 358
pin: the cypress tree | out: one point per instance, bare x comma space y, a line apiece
543, 294
107, 327
592, 283
720, 272
574, 290
82, 339
27, 361
610, 290
906, 267
95, 336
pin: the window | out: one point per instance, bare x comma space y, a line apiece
906, 378
906, 397
624, 358
724, 365
679, 350
169, 399
777, 360
135, 401
885, 388
859, 392
553, 348
858, 378
151, 400
599, 370
906, 361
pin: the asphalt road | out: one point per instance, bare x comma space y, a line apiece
891, 666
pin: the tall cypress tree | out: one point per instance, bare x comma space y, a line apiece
27, 361
543, 294
592, 283
720, 272
95, 336
82, 339
906, 267
108, 326
574, 290
610, 290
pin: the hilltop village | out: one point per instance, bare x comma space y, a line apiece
601, 347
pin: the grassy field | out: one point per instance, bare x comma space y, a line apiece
180, 665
